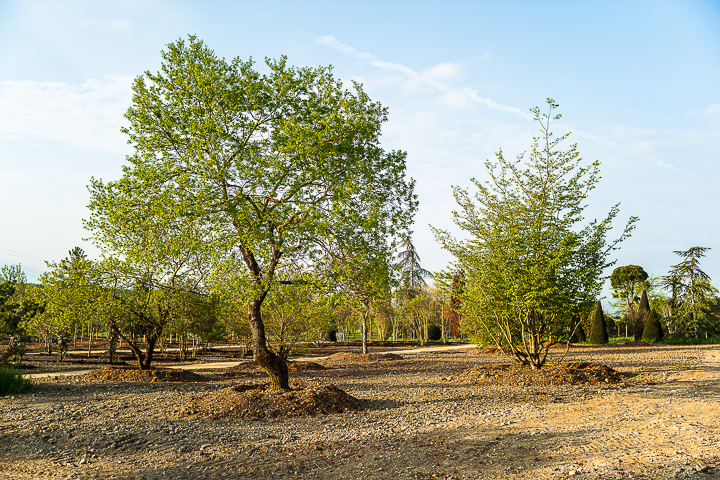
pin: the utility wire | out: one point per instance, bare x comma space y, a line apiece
20, 255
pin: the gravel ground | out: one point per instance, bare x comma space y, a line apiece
423, 420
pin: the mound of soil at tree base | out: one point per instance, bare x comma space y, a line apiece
354, 358
258, 401
563, 374
114, 374
252, 368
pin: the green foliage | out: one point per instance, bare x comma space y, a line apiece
577, 330
653, 330
626, 283
277, 171
17, 307
598, 332
692, 295
412, 275
12, 382
644, 305
691, 341
530, 263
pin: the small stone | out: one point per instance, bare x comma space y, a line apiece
83, 461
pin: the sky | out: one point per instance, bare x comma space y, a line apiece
638, 85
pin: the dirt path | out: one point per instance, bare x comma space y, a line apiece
220, 365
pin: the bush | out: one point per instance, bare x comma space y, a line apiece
11, 382
434, 332
598, 333
653, 331
578, 333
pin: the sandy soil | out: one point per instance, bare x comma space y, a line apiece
424, 418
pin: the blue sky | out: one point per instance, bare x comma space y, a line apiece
638, 85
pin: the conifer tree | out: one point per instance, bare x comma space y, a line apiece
578, 332
598, 332
653, 330
640, 317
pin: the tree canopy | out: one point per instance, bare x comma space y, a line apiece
529, 263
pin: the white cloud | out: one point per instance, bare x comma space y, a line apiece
433, 77
444, 71
713, 110
120, 24
87, 115
670, 167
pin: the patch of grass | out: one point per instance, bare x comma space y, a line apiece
12, 382
690, 341
620, 339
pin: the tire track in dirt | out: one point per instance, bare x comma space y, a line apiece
648, 430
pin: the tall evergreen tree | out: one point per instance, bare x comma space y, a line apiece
412, 275
639, 318
653, 330
598, 332
688, 282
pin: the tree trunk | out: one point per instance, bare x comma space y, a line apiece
363, 333
90, 337
149, 353
112, 341
273, 364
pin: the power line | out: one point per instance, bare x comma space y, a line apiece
31, 270
14, 253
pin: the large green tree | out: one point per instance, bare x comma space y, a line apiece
284, 168
690, 288
529, 263
628, 283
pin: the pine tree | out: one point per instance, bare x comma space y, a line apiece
578, 335
653, 330
639, 317
412, 275
598, 332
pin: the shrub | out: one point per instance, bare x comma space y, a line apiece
598, 333
653, 330
578, 332
434, 332
11, 382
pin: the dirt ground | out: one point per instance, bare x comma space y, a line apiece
435, 415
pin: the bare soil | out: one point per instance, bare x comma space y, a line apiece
258, 401
116, 374
436, 415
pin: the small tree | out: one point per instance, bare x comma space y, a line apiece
530, 262
598, 332
653, 331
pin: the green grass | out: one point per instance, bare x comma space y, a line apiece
620, 339
12, 382
689, 341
